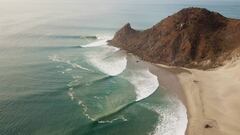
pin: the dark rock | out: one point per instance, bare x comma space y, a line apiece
208, 126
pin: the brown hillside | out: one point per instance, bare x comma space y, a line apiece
193, 37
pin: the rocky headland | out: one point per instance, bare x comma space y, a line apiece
193, 37
185, 43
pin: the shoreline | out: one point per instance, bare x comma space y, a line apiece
175, 71
211, 98
205, 94
169, 81
199, 91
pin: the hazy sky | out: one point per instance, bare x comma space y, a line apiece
33, 13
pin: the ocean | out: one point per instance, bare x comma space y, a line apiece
58, 76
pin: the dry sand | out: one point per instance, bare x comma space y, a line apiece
212, 99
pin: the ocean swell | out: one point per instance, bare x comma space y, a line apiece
102, 98
59, 59
109, 60
101, 41
144, 81
112, 62
138, 74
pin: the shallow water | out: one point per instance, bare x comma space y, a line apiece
57, 76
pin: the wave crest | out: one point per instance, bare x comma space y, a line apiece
144, 81
172, 120
107, 59
101, 41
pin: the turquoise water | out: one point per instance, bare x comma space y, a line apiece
55, 80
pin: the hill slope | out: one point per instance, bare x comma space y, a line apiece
193, 37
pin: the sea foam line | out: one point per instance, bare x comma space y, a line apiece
144, 81
113, 62
139, 75
85, 109
56, 58
111, 121
113, 65
102, 41
172, 119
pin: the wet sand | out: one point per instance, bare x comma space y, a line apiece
167, 79
212, 99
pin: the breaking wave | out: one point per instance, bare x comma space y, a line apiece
114, 62
101, 103
101, 41
72, 37
144, 81
172, 119
111, 64
109, 60
141, 78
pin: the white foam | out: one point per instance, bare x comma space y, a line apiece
111, 67
85, 109
144, 81
110, 60
102, 41
111, 121
182, 120
70, 93
68, 70
104, 37
113, 62
172, 120
107, 60
97, 43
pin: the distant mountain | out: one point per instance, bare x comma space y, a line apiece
193, 37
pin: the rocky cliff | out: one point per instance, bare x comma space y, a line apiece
193, 37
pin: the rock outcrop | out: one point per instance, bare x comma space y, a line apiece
193, 37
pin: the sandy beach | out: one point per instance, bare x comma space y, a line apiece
169, 82
212, 99
201, 39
